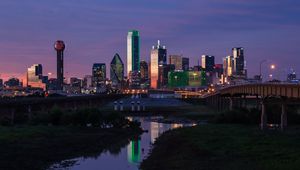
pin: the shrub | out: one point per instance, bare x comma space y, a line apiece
239, 116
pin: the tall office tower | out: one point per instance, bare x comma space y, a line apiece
116, 71
133, 51
185, 64
238, 65
99, 74
158, 59
144, 71
176, 60
208, 63
60, 47
228, 66
35, 76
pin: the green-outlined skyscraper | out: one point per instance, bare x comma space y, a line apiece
133, 51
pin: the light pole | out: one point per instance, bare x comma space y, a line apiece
272, 67
260, 64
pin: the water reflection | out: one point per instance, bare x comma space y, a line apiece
130, 156
134, 151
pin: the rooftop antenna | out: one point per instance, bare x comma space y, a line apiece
158, 43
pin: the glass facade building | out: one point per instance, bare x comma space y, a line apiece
239, 63
158, 61
35, 76
116, 71
176, 60
133, 51
185, 64
99, 74
208, 63
228, 66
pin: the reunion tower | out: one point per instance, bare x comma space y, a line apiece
59, 46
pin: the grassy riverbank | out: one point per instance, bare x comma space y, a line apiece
225, 147
37, 147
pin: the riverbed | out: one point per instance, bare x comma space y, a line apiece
130, 156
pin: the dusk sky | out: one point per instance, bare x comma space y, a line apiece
94, 30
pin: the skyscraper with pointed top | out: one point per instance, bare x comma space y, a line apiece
116, 70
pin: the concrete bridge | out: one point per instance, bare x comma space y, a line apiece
27, 106
262, 94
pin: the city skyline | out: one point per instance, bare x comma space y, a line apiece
263, 36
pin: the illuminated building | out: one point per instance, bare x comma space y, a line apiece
158, 60
35, 77
116, 71
135, 80
178, 79
238, 61
181, 79
99, 74
176, 60
292, 77
60, 47
228, 66
195, 78
208, 63
133, 51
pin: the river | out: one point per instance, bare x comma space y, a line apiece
130, 156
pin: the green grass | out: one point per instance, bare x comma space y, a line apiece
231, 147
37, 147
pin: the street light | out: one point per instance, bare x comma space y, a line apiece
260, 64
272, 66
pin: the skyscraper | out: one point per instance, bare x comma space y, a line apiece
35, 76
228, 66
60, 47
144, 70
176, 60
116, 70
158, 59
208, 63
238, 64
99, 74
185, 63
133, 51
